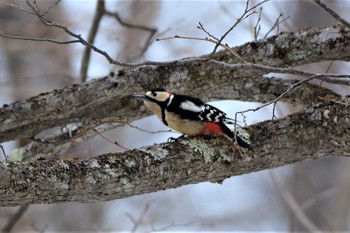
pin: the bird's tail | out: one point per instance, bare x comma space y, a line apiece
231, 121
240, 141
243, 143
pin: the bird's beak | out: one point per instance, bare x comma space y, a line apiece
140, 97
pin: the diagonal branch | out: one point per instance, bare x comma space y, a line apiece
313, 133
333, 13
100, 10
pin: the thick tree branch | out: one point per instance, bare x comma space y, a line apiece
109, 96
318, 131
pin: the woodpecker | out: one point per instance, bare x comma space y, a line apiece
188, 115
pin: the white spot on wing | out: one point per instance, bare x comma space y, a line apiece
188, 105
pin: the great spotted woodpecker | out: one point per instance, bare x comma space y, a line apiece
188, 115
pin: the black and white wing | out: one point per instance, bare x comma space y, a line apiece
195, 109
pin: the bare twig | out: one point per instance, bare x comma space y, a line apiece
257, 26
38, 39
50, 7
79, 39
278, 22
274, 101
3, 152
200, 26
100, 10
345, 102
88, 127
18, 7
149, 131
51, 23
107, 139
151, 30
333, 13
247, 12
171, 225
225, 46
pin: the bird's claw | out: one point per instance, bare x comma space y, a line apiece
171, 139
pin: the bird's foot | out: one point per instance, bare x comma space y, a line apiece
171, 139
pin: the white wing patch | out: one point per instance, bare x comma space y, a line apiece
188, 105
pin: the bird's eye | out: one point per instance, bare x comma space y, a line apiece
154, 94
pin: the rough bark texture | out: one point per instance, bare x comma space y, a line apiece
320, 130
109, 96
316, 132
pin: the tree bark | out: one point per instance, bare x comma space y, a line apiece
316, 132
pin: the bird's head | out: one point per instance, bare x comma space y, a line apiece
157, 95
155, 100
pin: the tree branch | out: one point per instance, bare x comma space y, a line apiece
110, 95
316, 132
100, 10
333, 13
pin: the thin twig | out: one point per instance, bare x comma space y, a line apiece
3, 152
346, 101
18, 7
274, 101
167, 227
257, 26
88, 127
225, 46
113, 142
276, 25
50, 7
100, 10
247, 12
38, 39
333, 13
51, 23
149, 131
152, 31
201, 27
327, 70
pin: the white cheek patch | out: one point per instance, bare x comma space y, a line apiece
188, 105
162, 96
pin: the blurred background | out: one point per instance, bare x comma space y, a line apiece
305, 196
